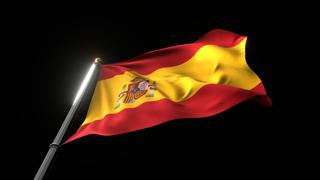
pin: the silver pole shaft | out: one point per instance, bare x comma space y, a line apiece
57, 141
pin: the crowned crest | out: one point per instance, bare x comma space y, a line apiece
136, 89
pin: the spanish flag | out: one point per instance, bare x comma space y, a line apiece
193, 80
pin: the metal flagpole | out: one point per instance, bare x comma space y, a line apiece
57, 141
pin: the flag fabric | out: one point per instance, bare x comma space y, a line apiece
193, 80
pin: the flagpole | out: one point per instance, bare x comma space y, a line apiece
53, 147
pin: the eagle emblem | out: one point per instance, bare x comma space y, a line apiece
139, 87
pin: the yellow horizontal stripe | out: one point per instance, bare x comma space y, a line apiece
210, 65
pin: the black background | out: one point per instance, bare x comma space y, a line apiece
56, 44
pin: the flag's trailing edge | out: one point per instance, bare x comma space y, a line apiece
184, 81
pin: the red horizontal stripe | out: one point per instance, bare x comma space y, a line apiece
171, 56
209, 100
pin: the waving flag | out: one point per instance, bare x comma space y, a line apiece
193, 80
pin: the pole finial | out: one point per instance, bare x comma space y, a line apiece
97, 60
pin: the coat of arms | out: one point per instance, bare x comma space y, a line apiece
138, 88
